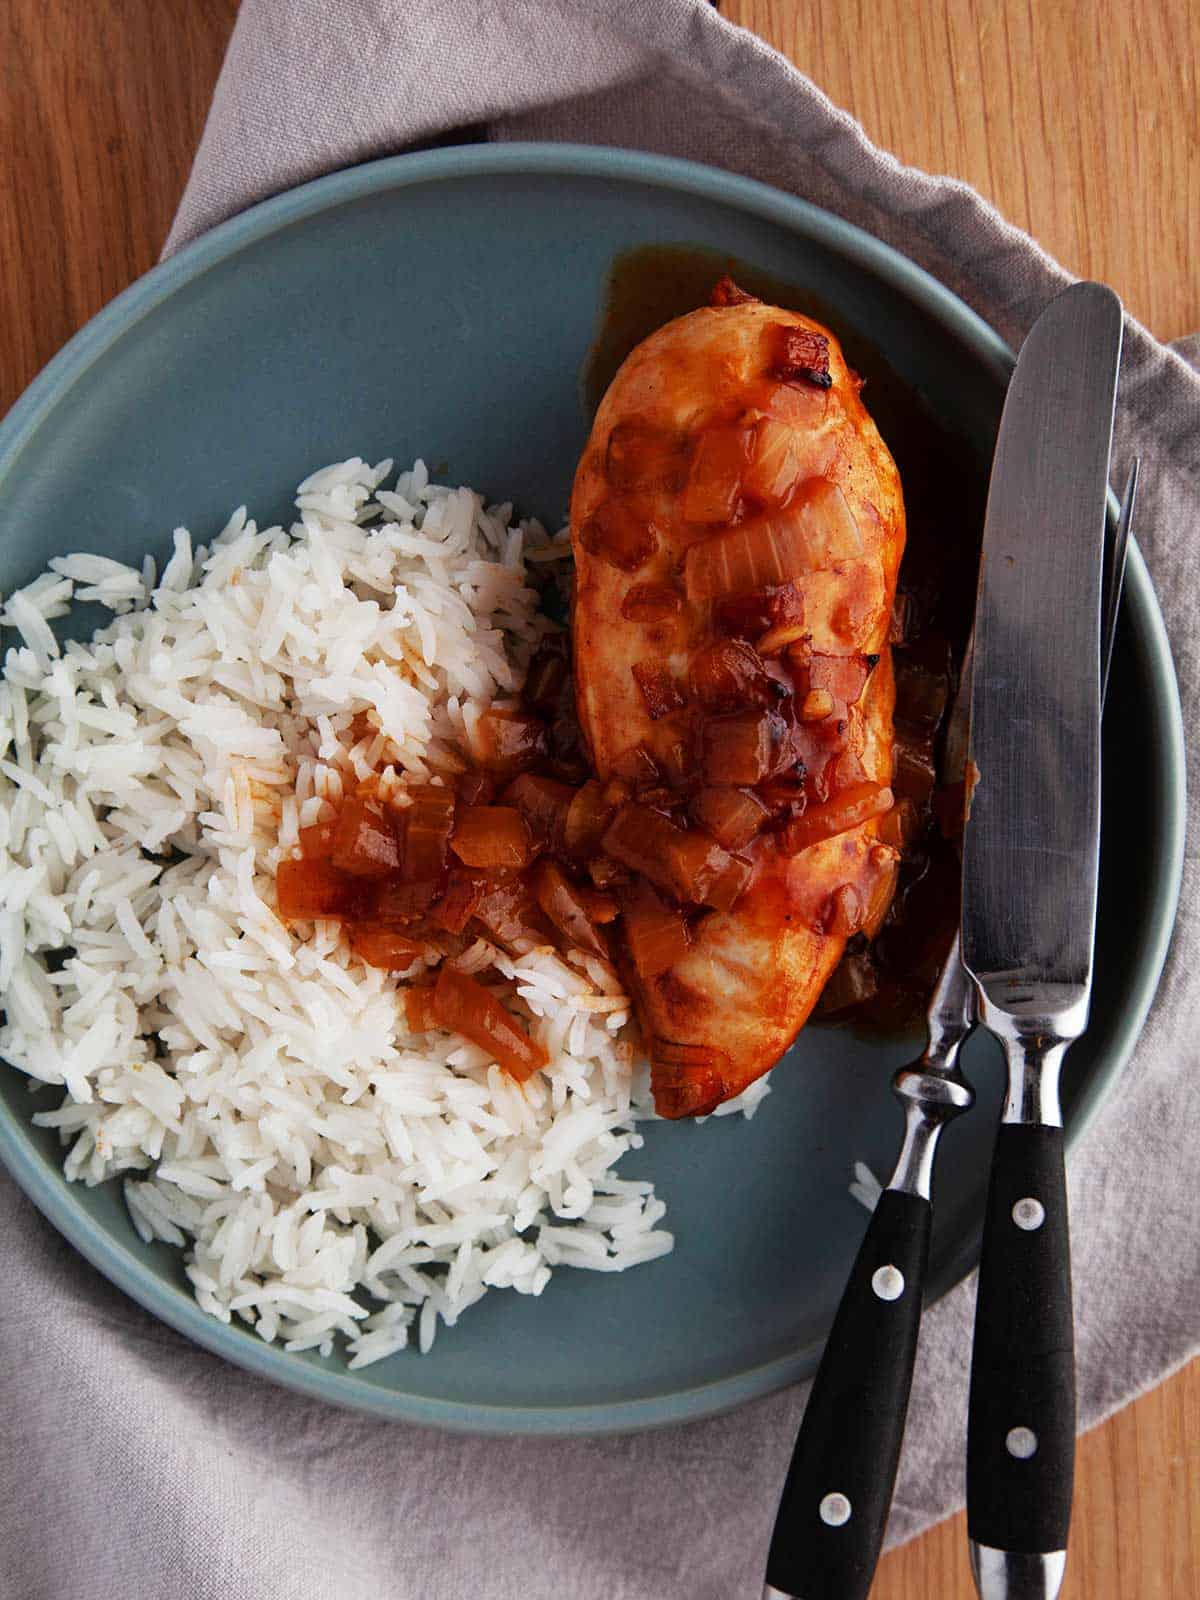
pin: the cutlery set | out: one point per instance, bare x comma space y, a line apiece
1023, 739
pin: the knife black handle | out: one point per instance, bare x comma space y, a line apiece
1021, 1416
835, 1502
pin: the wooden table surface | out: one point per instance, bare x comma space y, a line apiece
1078, 119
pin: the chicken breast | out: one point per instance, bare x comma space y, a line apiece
737, 524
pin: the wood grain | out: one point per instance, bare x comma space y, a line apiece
101, 108
1078, 118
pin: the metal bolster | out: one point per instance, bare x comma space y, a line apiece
1035, 1036
1017, 1575
930, 1100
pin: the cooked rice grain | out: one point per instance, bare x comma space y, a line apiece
331, 1177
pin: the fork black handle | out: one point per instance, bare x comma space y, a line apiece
834, 1509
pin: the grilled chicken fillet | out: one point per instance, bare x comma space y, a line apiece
737, 524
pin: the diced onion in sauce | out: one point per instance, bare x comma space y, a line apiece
705, 873
750, 615
814, 533
901, 825
643, 456
829, 529
660, 691
365, 840
393, 900
728, 886
636, 767
800, 355
685, 864
656, 934
607, 874
784, 634
779, 457
309, 890
729, 675
381, 945
316, 841
651, 602
843, 912
732, 816
601, 908
617, 534
476, 787
492, 837
588, 814
643, 839
743, 748
427, 825
566, 906
843, 678
508, 740
687, 1080
747, 556
544, 803
458, 905
511, 915
675, 760
461, 1005
851, 808
418, 1008
885, 865
714, 480
690, 866
548, 676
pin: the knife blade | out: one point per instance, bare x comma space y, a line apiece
1030, 865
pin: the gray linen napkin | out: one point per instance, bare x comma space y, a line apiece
139, 1466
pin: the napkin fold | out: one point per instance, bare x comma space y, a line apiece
138, 1465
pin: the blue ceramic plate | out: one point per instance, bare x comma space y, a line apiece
442, 304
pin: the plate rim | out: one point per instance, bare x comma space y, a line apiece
54, 1197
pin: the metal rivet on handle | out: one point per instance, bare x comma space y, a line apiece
888, 1282
1021, 1442
835, 1510
1029, 1214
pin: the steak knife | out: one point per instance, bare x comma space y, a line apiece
1030, 862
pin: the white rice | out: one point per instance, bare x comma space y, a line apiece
328, 1174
